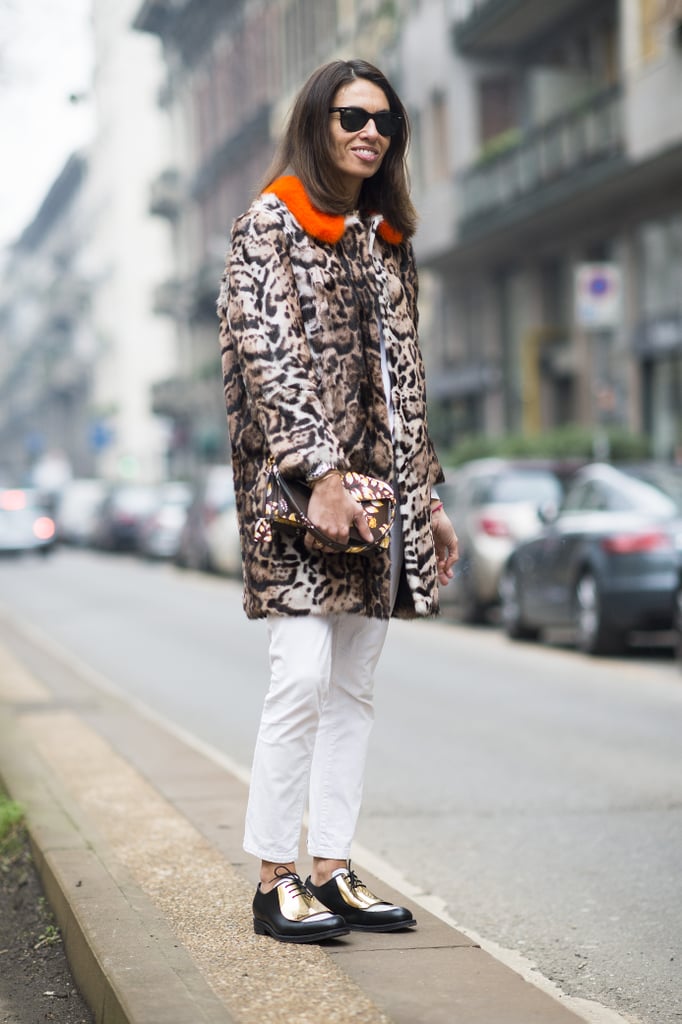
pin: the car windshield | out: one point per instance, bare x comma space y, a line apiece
619, 490
664, 481
522, 485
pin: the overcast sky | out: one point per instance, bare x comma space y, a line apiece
44, 59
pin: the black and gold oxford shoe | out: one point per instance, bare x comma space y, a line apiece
289, 912
362, 911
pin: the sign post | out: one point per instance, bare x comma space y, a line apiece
598, 298
598, 295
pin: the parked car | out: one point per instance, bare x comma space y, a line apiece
678, 621
223, 543
213, 493
493, 504
607, 565
78, 509
121, 515
160, 532
25, 524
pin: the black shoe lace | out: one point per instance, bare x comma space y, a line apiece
293, 883
355, 882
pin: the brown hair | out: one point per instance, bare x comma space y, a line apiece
305, 149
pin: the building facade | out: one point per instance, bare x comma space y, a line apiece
84, 344
549, 147
47, 352
127, 249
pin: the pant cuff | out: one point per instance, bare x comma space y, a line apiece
328, 852
286, 858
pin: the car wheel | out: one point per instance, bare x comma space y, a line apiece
471, 609
591, 635
510, 607
678, 623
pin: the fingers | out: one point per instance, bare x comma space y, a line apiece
312, 543
362, 526
334, 512
340, 533
447, 549
445, 570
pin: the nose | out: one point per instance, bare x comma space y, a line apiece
369, 129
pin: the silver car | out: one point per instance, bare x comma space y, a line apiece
494, 504
25, 523
607, 566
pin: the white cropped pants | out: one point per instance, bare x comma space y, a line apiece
314, 731
313, 735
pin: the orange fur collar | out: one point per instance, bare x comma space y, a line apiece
327, 227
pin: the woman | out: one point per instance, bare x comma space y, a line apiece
322, 373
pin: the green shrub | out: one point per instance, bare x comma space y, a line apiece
572, 441
11, 821
498, 144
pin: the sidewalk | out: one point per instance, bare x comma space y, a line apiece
137, 838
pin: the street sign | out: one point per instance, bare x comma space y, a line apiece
597, 295
100, 435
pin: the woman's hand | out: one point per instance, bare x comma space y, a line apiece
332, 510
445, 541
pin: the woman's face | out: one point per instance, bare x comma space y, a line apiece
358, 155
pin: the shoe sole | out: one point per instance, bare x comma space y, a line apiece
392, 927
260, 928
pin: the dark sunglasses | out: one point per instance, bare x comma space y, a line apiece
354, 118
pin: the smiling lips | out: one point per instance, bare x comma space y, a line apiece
366, 154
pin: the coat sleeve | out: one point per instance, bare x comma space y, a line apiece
411, 278
263, 331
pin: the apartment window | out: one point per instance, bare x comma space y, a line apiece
554, 293
439, 137
497, 106
608, 69
660, 267
583, 56
473, 309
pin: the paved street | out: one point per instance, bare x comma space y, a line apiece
537, 792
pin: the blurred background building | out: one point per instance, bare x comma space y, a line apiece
128, 251
546, 160
47, 355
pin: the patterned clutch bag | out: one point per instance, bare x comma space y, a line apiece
286, 509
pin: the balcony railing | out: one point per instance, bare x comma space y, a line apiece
491, 27
575, 141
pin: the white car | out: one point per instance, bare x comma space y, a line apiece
77, 511
222, 542
493, 504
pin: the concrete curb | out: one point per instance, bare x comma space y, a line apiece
125, 960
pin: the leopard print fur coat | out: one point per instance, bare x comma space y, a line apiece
300, 307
